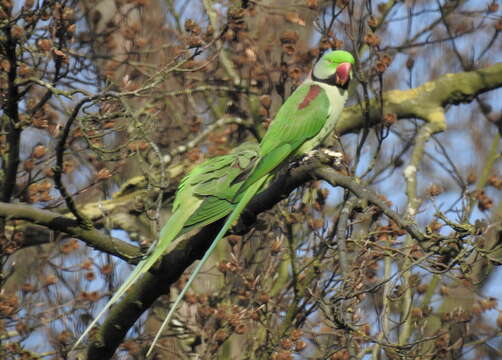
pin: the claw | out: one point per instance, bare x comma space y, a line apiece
305, 158
336, 155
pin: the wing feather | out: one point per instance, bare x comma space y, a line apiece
302, 117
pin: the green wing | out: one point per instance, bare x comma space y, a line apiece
217, 184
302, 117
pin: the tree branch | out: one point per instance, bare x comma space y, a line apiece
58, 222
350, 183
427, 100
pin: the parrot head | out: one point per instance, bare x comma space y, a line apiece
334, 68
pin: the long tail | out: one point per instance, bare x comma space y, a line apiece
169, 232
234, 215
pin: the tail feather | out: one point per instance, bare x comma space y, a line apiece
234, 215
169, 232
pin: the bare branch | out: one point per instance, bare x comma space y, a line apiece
58, 222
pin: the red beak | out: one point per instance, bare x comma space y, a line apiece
343, 73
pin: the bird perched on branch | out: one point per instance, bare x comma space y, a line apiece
302, 123
205, 195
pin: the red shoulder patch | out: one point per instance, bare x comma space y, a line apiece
311, 95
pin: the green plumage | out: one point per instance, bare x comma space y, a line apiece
205, 195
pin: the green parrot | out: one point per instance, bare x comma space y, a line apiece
205, 195
302, 123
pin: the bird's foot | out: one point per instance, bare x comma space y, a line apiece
304, 159
336, 156
324, 155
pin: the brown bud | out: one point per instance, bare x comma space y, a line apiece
44, 44
220, 335
488, 304
58, 54
138, 146
372, 22
106, 269
417, 313
498, 25
263, 298
324, 43
484, 201
312, 4
372, 39
495, 181
288, 49
17, 32
296, 334
240, 328
266, 101
65, 337
493, 7
195, 41
45, 196
380, 67
434, 226
286, 344
289, 37
103, 174
276, 246
71, 28
294, 72
29, 165
471, 177
39, 151
5, 65
86, 265
49, 172
229, 35
222, 267
434, 190
90, 276
263, 112
389, 119
50, 280
294, 18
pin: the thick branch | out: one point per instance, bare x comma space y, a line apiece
425, 101
57, 222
